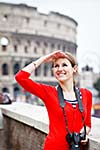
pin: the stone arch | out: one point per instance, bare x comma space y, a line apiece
5, 69
16, 68
5, 90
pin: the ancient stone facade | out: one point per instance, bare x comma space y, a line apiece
25, 35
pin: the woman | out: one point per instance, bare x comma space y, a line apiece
64, 69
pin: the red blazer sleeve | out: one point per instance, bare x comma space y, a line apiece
88, 108
31, 86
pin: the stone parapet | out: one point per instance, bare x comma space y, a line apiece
32, 115
26, 126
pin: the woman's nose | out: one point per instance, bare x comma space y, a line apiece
60, 67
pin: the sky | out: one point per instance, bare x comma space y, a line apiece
87, 14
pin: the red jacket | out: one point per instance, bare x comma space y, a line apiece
55, 139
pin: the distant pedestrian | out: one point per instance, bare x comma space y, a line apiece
5, 98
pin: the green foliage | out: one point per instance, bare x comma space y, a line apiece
97, 86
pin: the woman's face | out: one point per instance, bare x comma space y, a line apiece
63, 70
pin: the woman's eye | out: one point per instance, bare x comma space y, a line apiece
64, 65
56, 66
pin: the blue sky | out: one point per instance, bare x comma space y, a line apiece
87, 14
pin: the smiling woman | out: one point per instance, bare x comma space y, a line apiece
62, 122
64, 70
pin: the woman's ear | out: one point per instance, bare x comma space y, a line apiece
75, 69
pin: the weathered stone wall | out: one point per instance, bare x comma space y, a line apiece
25, 19
26, 126
19, 136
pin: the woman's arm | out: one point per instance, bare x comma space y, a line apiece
88, 107
88, 118
23, 76
88, 129
47, 58
33, 65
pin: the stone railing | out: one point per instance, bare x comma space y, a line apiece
26, 126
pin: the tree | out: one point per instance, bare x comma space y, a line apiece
97, 86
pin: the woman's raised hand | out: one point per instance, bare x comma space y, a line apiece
54, 55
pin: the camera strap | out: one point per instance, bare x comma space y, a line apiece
62, 104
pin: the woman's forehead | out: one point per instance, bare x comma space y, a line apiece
59, 60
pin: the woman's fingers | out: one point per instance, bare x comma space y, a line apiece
85, 141
59, 54
54, 55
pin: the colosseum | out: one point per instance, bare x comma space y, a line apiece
25, 35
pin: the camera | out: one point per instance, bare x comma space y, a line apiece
74, 140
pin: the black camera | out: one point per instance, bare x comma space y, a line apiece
74, 140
